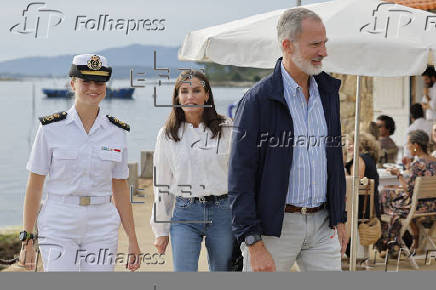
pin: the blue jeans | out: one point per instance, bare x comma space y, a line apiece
186, 238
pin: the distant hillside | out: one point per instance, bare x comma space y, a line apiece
122, 59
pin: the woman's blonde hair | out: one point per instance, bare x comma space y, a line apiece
368, 144
370, 128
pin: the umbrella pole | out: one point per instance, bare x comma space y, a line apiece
356, 182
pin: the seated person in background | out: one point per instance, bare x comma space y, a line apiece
429, 100
386, 127
433, 137
395, 201
369, 154
418, 123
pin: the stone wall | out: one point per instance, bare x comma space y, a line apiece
347, 95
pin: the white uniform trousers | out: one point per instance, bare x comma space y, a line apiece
305, 239
78, 238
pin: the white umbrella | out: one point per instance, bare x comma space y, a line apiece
369, 38
366, 38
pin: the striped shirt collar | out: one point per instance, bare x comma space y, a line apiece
289, 82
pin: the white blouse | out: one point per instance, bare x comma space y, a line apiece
195, 166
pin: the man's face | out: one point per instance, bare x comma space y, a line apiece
382, 128
309, 49
428, 81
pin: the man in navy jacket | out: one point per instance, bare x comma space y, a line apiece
286, 174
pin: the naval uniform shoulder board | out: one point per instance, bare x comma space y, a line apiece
53, 118
118, 123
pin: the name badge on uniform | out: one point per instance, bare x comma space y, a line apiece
105, 148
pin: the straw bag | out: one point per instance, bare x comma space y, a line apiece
370, 231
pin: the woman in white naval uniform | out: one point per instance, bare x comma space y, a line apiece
190, 181
84, 153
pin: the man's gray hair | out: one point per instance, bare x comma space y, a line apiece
289, 24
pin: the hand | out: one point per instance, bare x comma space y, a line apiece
161, 244
134, 261
27, 255
260, 259
393, 171
343, 241
406, 161
426, 106
427, 96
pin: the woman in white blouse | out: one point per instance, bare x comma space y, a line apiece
190, 180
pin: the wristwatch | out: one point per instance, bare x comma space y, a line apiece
252, 239
25, 236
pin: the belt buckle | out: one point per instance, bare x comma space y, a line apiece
85, 200
202, 199
303, 210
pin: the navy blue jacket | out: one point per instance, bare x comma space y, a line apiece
261, 157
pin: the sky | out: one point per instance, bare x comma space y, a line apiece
71, 27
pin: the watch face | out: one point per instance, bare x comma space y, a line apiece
22, 236
250, 240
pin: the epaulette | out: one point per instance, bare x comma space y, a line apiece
118, 123
53, 118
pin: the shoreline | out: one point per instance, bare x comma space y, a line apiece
8, 79
217, 84
231, 84
6, 230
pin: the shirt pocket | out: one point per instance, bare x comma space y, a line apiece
109, 156
65, 160
105, 161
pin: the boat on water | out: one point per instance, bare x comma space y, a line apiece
57, 93
120, 93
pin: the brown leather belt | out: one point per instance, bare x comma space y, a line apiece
303, 210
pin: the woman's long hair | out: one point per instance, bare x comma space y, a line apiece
210, 118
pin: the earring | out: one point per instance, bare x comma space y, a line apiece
414, 150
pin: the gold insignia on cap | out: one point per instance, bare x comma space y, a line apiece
94, 62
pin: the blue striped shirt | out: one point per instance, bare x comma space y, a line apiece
308, 178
